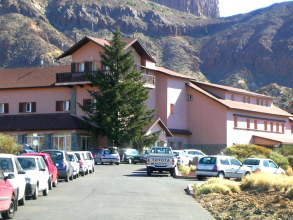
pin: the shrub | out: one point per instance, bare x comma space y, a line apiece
192, 168
183, 169
8, 144
232, 185
290, 160
279, 159
246, 150
286, 150
289, 193
213, 188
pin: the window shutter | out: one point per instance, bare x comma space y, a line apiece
73, 67
21, 107
6, 107
59, 105
34, 106
86, 103
87, 66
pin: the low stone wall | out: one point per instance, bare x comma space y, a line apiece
208, 149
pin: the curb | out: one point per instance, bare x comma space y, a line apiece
190, 190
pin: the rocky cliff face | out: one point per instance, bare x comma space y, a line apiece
207, 8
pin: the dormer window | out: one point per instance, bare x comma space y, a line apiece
232, 97
267, 103
244, 99
80, 67
261, 102
257, 101
248, 100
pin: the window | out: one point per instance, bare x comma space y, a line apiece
4, 108
244, 99
291, 129
255, 124
62, 105
248, 100
224, 161
235, 162
190, 97
80, 67
248, 123
261, 102
172, 106
94, 66
277, 127
27, 107
87, 103
267, 103
283, 128
272, 126
235, 122
266, 125
257, 101
232, 97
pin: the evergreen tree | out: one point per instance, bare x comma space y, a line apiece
119, 111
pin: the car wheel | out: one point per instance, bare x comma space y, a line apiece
93, 169
221, 175
9, 214
199, 177
246, 174
71, 177
83, 173
172, 171
46, 191
117, 163
66, 178
129, 161
55, 184
77, 175
102, 163
149, 171
134, 162
21, 201
74, 176
35, 195
50, 184
90, 171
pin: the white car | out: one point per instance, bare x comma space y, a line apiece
182, 158
263, 165
37, 175
191, 153
74, 162
83, 166
91, 161
10, 165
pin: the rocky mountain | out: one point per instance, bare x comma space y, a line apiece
201, 8
247, 51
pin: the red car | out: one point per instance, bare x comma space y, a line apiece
7, 198
51, 166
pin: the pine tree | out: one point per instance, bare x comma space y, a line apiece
119, 111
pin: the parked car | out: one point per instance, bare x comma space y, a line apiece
83, 167
62, 162
182, 158
10, 165
36, 175
88, 162
222, 167
26, 151
51, 166
263, 165
140, 158
109, 155
96, 154
74, 162
8, 201
91, 161
191, 153
126, 154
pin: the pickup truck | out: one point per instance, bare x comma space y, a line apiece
161, 159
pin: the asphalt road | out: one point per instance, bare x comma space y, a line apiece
116, 192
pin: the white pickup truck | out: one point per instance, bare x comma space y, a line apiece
161, 159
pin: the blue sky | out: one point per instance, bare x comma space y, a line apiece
233, 7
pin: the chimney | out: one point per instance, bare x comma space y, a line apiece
291, 107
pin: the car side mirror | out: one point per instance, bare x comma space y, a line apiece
10, 176
21, 172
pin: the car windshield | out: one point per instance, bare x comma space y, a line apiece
27, 163
6, 164
251, 162
55, 155
208, 160
176, 154
110, 151
71, 157
161, 150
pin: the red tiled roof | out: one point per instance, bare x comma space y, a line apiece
162, 125
277, 139
273, 110
30, 77
232, 89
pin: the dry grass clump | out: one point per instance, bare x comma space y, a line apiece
216, 185
289, 193
192, 168
267, 182
184, 169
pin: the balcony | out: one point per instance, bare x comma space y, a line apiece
80, 78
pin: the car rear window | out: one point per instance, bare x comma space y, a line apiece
176, 154
55, 155
6, 164
251, 162
208, 160
111, 151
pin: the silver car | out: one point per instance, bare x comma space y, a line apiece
222, 167
263, 165
108, 156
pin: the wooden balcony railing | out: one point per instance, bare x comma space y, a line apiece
81, 77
